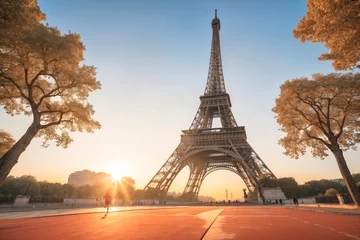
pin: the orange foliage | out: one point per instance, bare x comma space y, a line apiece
321, 113
336, 23
41, 73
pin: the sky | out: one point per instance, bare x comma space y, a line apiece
152, 60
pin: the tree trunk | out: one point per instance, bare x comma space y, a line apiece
10, 158
349, 180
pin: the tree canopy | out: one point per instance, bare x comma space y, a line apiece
42, 76
336, 23
319, 113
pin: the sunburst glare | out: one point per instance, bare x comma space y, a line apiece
119, 171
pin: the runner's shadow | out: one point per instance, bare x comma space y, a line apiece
104, 216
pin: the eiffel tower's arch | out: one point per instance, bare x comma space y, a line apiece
205, 160
225, 147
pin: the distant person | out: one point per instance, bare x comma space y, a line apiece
296, 203
280, 201
276, 201
107, 201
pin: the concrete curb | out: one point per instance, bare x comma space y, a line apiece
329, 211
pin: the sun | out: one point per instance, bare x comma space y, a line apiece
118, 171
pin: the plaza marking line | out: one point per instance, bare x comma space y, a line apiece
209, 217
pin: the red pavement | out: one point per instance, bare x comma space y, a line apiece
188, 223
282, 223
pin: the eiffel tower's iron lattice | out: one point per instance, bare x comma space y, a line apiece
205, 149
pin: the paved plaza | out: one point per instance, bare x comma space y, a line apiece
250, 222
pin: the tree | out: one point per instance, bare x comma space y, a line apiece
336, 24
331, 192
305, 191
289, 186
322, 185
85, 191
287, 181
321, 114
41, 76
267, 182
139, 194
127, 189
252, 196
6, 142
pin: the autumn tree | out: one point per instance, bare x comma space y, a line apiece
6, 142
336, 23
42, 76
321, 114
331, 192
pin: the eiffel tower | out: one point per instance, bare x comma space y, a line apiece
205, 149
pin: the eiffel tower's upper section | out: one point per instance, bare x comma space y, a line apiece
215, 82
215, 103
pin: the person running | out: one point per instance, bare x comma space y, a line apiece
107, 201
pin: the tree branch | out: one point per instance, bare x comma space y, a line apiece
313, 137
50, 94
56, 122
15, 84
328, 117
40, 88
36, 77
341, 128
317, 114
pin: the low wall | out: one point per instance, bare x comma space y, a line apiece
330, 206
272, 194
21, 201
147, 202
301, 201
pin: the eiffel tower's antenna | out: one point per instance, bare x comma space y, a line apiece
215, 82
